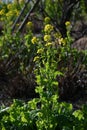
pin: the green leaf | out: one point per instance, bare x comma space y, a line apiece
55, 83
39, 89
78, 114
23, 119
58, 73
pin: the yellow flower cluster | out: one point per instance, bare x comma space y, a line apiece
57, 35
67, 23
34, 40
47, 38
9, 6
39, 51
16, 12
2, 12
9, 14
36, 58
62, 41
48, 28
30, 25
48, 44
47, 20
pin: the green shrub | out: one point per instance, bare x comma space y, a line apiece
46, 57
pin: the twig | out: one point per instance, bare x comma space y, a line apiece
21, 13
26, 17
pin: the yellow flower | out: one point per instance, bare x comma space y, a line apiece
36, 58
9, 14
62, 41
67, 23
9, 6
47, 20
2, 12
30, 25
48, 28
48, 44
39, 51
47, 38
57, 35
17, 12
34, 40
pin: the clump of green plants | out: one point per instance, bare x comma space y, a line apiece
45, 112
16, 53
